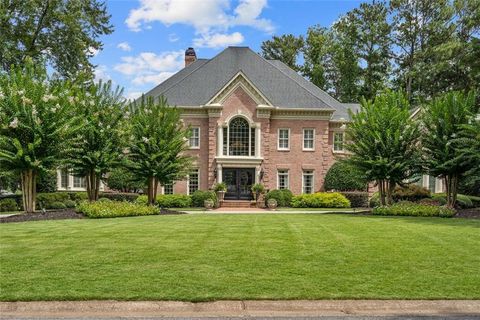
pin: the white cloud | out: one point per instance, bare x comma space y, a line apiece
208, 17
172, 37
101, 73
149, 67
218, 40
132, 95
124, 46
92, 51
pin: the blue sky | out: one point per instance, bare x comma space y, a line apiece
151, 36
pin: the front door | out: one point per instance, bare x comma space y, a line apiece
239, 183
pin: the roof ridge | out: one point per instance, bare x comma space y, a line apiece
306, 89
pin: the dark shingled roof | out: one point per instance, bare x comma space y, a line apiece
200, 81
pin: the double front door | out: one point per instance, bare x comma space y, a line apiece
239, 183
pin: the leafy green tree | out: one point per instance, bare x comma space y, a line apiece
442, 121
317, 51
36, 121
469, 147
384, 142
157, 144
99, 144
122, 179
285, 48
63, 33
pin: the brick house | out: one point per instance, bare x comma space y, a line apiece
254, 121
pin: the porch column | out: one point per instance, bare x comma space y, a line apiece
219, 173
258, 140
257, 174
219, 141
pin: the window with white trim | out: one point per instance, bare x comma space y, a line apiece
193, 181
168, 188
308, 139
338, 141
64, 179
79, 182
283, 139
307, 181
239, 138
282, 179
194, 141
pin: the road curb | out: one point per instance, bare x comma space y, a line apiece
259, 308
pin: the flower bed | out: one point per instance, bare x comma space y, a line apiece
112, 209
406, 208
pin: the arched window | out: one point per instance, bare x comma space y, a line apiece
239, 138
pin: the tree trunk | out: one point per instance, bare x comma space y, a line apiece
390, 188
381, 191
151, 191
451, 185
29, 192
93, 185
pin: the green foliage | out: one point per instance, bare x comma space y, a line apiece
384, 142
174, 201
285, 48
443, 119
57, 205
157, 144
220, 187
258, 188
70, 203
342, 176
321, 200
119, 196
358, 199
47, 181
463, 201
283, 197
8, 204
104, 200
407, 208
64, 34
112, 209
9, 180
77, 196
122, 179
410, 192
50, 200
199, 197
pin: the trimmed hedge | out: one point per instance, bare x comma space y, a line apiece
321, 200
343, 177
51, 200
358, 199
174, 201
410, 192
199, 197
112, 209
407, 208
283, 197
8, 204
119, 196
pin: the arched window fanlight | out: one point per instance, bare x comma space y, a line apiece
239, 138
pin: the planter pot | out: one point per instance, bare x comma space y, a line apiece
220, 195
272, 204
208, 204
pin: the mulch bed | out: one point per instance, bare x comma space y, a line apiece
48, 215
468, 213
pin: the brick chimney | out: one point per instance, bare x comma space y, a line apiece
190, 56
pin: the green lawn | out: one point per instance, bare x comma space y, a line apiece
264, 256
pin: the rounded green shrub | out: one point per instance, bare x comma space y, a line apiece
410, 192
70, 203
104, 200
321, 200
112, 209
143, 199
463, 201
199, 197
407, 208
8, 204
344, 177
283, 197
57, 205
174, 201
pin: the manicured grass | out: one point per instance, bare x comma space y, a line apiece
264, 256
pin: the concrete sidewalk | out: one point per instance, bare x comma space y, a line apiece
249, 308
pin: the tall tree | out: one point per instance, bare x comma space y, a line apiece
384, 139
373, 45
63, 32
285, 48
418, 27
157, 144
36, 121
98, 146
442, 120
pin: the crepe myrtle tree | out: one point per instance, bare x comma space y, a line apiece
445, 120
157, 144
384, 142
98, 146
36, 120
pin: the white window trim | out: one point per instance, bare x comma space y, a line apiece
188, 181
173, 189
313, 181
333, 142
278, 178
199, 135
278, 139
303, 140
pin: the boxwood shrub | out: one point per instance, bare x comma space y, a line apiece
8, 204
51, 200
199, 196
112, 209
174, 201
283, 197
358, 199
463, 201
321, 200
119, 196
410, 192
407, 208
343, 177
